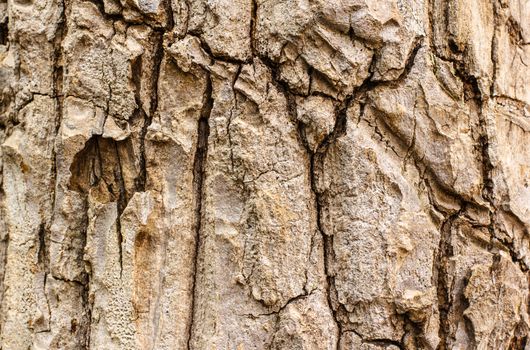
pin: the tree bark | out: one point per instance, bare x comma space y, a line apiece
251, 174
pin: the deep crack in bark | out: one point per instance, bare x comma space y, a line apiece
201, 152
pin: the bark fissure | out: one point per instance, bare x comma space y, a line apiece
42, 254
317, 156
201, 152
230, 118
121, 205
141, 179
444, 254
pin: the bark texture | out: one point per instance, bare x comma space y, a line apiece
264, 174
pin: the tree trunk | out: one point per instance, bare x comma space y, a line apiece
251, 174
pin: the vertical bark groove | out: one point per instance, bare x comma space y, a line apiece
201, 152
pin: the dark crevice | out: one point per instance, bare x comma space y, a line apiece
88, 302
146, 20
219, 56
468, 324
488, 190
98, 169
284, 306
140, 113
384, 343
520, 337
369, 84
42, 256
4, 32
169, 13
379, 342
121, 204
199, 163
136, 77
515, 31
58, 95
141, 179
43, 261
443, 288
253, 23
454, 47
44, 282
229, 123
3, 254
314, 157
494, 47
509, 246
110, 16
414, 337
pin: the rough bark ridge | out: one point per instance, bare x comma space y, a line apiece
251, 174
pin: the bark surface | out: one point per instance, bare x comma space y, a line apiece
251, 174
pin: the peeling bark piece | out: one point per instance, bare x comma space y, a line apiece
252, 223
370, 210
420, 112
112, 310
153, 12
465, 245
496, 290
512, 51
464, 33
67, 325
224, 26
507, 128
336, 46
171, 145
287, 32
28, 176
306, 323
497, 296
108, 64
350, 340
317, 114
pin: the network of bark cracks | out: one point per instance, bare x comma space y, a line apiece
100, 166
